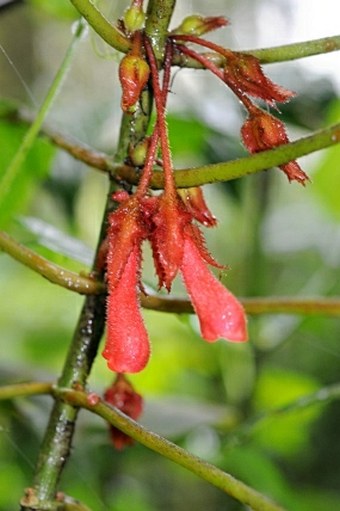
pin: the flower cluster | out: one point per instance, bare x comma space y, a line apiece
243, 74
178, 247
169, 221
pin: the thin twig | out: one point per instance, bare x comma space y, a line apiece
52, 272
222, 480
235, 169
253, 306
284, 53
163, 303
213, 173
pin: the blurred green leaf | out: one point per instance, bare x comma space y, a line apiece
289, 432
176, 416
52, 238
326, 178
188, 138
238, 371
34, 169
254, 466
62, 9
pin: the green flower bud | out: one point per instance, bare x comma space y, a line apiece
199, 25
137, 153
134, 19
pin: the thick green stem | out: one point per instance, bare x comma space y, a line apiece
57, 442
159, 14
34, 388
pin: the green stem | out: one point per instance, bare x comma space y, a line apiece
101, 25
157, 22
222, 480
52, 272
14, 167
218, 172
226, 171
252, 306
292, 305
34, 388
56, 445
213, 475
297, 50
271, 55
88, 286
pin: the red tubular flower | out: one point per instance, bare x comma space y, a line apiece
244, 73
262, 131
126, 230
220, 314
123, 396
127, 347
166, 238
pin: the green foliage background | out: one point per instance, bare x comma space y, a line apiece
279, 239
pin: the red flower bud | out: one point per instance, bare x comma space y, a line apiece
262, 131
122, 395
194, 202
134, 73
243, 72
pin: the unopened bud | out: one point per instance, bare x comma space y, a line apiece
134, 19
137, 153
123, 396
194, 202
134, 73
262, 131
199, 25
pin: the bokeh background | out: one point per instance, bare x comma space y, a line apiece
278, 238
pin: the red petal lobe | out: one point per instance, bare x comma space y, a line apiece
220, 314
127, 347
